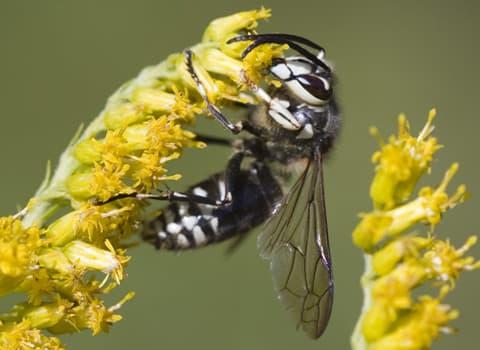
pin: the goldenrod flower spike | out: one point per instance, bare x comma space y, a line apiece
65, 264
398, 259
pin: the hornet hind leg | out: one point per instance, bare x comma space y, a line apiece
233, 168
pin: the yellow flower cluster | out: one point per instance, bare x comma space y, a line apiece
400, 260
64, 265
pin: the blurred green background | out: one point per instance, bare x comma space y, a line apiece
60, 60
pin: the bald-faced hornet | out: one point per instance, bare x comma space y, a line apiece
293, 127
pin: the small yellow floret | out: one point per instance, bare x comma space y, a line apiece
18, 247
387, 258
220, 28
446, 263
21, 336
401, 162
419, 328
427, 208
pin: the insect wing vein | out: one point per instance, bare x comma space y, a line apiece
295, 240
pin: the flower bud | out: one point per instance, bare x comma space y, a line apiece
219, 28
55, 259
124, 115
388, 257
62, 230
377, 321
154, 100
87, 151
216, 61
137, 136
79, 185
88, 256
371, 230
47, 315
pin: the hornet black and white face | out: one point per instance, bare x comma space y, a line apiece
309, 87
307, 81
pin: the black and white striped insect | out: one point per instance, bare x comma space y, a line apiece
293, 128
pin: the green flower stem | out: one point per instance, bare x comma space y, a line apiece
51, 193
357, 340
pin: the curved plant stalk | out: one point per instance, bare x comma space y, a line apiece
55, 261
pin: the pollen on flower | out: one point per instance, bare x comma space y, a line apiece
147, 170
18, 247
183, 109
110, 149
446, 263
37, 284
97, 317
107, 180
90, 314
21, 336
419, 328
257, 61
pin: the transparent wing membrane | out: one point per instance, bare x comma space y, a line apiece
295, 240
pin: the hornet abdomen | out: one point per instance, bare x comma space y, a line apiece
187, 225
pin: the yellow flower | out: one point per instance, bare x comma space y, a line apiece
93, 315
124, 115
37, 284
87, 256
110, 149
259, 60
401, 162
446, 263
18, 247
387, 258
46, 315
215, 61
395, 316
107, 180
221, 28
21, 336
419, 328
148, 169
427, 208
